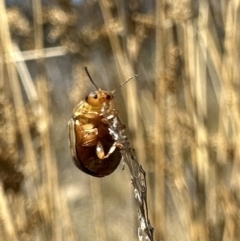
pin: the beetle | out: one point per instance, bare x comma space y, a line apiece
93, 149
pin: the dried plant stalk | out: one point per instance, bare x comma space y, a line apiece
138, 175
6, 222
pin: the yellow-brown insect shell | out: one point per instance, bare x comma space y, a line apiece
86, 128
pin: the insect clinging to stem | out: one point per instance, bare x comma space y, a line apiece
93, 149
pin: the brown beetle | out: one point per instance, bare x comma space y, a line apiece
92, 147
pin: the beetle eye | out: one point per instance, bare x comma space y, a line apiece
94, 95
109, 97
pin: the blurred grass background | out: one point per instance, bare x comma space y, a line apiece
182, 117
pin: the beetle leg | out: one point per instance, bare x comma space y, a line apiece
91, 131
100, 150
90, 137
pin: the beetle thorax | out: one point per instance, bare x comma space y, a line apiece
83, 108
100, 108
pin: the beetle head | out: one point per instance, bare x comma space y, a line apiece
98, 97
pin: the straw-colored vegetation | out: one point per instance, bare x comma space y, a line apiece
182, 116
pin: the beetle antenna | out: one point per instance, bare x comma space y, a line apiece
123, 83
133, 77
89, 76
